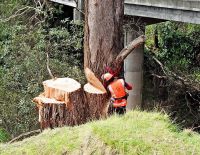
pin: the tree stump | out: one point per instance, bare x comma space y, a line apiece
51, 112
97, 101
76, 113
62, 103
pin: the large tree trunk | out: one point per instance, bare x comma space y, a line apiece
102, 43
103, 33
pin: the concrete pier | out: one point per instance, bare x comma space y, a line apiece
133, 72
78, 10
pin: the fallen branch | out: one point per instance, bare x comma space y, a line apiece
159, 77
160, 64
189, 106
25, 135
169, 74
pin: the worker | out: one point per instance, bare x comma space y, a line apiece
116, 87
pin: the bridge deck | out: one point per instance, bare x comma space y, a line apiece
192, 5
176, 10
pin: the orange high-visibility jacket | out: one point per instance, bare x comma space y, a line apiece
117, 90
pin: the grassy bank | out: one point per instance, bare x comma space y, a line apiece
135, 133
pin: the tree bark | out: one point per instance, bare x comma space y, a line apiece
51, 112
102, 43
97, 101
76, 113
103, 33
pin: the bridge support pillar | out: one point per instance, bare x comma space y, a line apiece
133, 71
78, 15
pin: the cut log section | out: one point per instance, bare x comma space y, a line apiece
76, 113
60, 87
97, 101
51, 112
62, 97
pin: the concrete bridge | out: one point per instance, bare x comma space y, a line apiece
176, 10
148, 12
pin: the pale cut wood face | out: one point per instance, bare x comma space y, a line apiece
44, 100
65, 84
95, 85
91, 89
59, 88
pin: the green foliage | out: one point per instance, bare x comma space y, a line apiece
150, 33
8, 6
128, 134
23, 63
179, 44
176, 90
4, 136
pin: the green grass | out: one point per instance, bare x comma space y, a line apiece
135, 133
